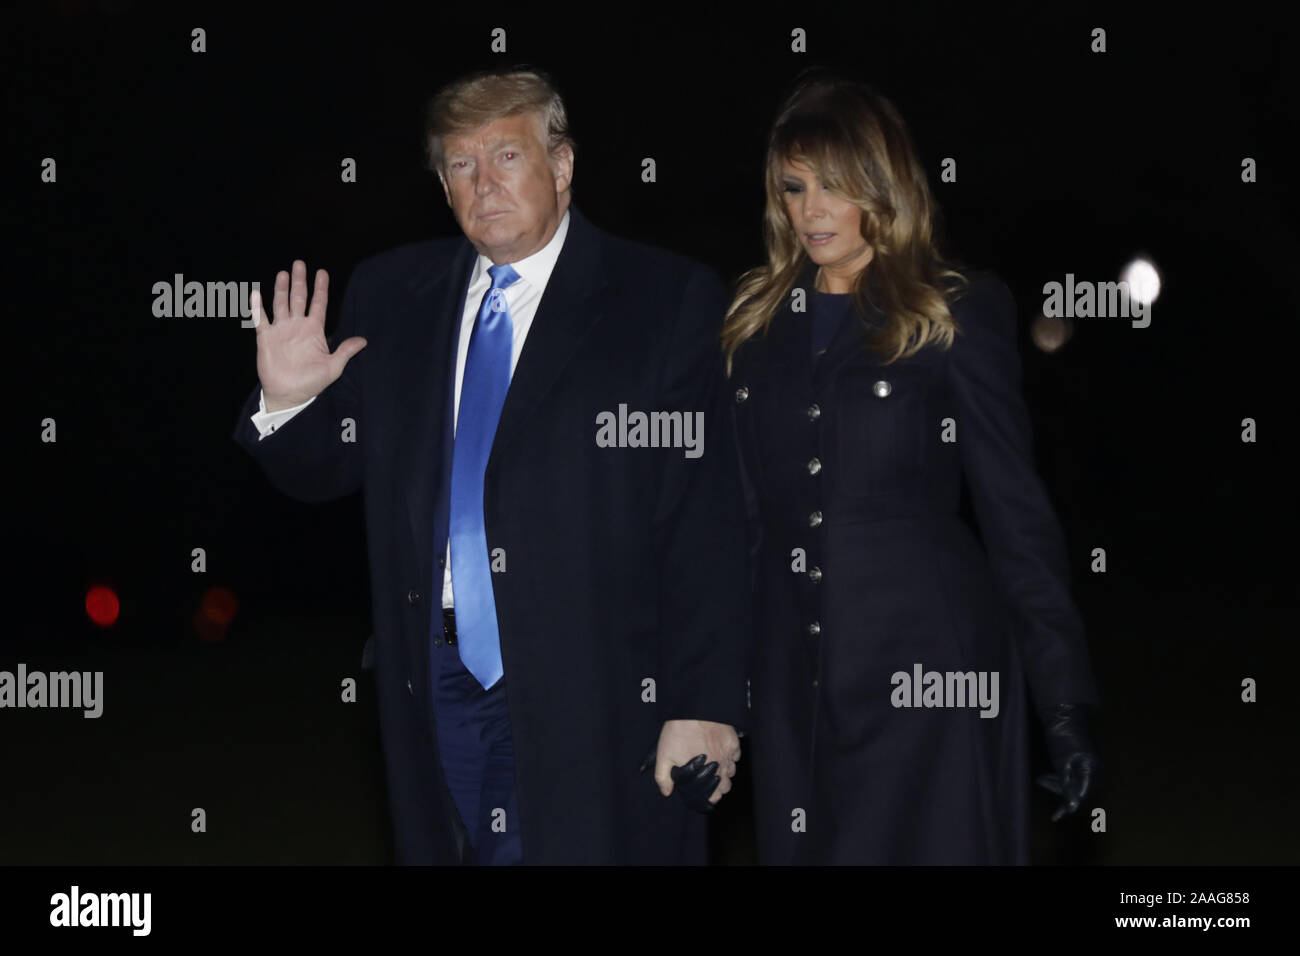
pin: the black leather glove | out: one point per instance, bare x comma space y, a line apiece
1073, 752
693, 781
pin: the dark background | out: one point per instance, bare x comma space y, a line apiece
225, 166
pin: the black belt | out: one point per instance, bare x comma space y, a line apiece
449, 625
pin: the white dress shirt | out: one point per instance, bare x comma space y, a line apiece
522, 299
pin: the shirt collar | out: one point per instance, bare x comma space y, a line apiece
535, 269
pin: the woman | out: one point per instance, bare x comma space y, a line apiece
888, 690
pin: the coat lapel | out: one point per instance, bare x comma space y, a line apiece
558, 327
426, 386
789, 336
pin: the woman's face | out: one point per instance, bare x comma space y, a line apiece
829, 227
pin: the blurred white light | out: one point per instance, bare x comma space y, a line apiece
1051, 332
1143, 281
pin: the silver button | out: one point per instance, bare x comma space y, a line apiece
408, 688
742, 393
814, 413
815, 575
882, 389
814, 628
814, 466
814, 519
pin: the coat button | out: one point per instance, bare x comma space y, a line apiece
413, 597
408, 689
814, 628
814, 412
442, 562
742, 393
882, 389
815, 575
816, 682
814, 519
814, 466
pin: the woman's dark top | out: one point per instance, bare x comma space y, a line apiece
829, 309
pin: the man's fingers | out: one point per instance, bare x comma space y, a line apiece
320, 296
724, 786
290, 298
663, 775
280, 301
258, 313
347, 348
298, 290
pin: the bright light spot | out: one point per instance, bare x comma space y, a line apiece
1143, 281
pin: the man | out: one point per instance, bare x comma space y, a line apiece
548, 609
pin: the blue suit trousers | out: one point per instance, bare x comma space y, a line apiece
478, 758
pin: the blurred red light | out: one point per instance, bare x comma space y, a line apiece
102, 606
219, 605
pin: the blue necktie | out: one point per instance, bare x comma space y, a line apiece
482, 393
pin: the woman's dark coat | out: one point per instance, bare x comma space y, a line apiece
852, 464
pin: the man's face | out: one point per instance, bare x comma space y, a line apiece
505, 192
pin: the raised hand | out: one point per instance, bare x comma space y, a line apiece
294, 362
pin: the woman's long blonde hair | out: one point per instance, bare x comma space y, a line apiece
857, 144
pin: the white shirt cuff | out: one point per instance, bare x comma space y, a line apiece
267, 422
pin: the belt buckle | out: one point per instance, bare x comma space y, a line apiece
449, 626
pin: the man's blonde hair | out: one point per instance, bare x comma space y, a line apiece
486, 95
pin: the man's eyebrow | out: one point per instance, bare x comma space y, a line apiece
514, 141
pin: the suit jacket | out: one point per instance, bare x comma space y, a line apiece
622, 601
867, 569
